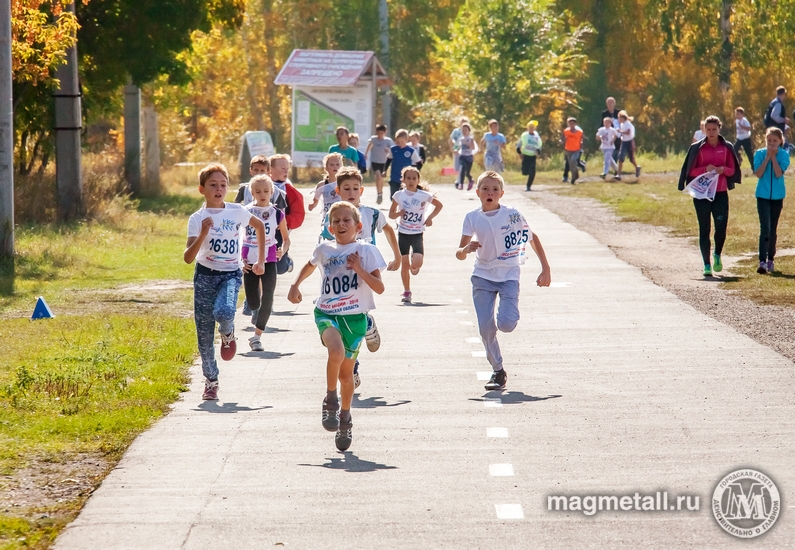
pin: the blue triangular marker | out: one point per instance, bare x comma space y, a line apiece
42, 310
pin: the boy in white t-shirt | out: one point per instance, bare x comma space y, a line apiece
743, 136
350, 273
501, 234
214, 235
607, 136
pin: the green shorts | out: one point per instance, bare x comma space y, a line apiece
352, 328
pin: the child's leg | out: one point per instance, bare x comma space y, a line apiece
418, 250
531, 176
508, 310
776, 207
267, 285
484, 296
379, 181
608, 154
336, 354
405, 266
394, 187
416, 262
346, 384
226, 302
204, 292
251, 285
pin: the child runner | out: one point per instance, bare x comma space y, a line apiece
378, 149
467, 148
627, 132
351, 271
607, 135
260, 288
258, 165
769, 166
289, 200
350, 154
214, 242
501, 234
529, 147
699, 134
572, 147
493, 143
743, 135
350, 189
414, 138
400, 156
361, 164
408, 207
326, 189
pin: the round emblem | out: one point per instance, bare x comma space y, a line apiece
746, 503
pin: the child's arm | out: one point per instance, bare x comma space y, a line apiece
367, 151
391, 238
241, 194
294, 295
394, 211
285, 240
545, 278
476, 149
437, 207
466, 246
371, 279
195, 243
259, 227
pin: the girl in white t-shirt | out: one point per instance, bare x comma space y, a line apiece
409, 207
627, 132
325, 188
607, 135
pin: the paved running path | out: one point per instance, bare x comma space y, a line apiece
615, 386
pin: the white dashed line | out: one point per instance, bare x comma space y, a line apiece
484, 375
481, 353
457, 301
462, 312
559, 285
509, 511
491, 402
473, 340
496, 432
465, 323
501, 470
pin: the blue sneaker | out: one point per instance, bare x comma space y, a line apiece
246, 309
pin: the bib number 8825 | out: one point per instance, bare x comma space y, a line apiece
338, 285
515, 237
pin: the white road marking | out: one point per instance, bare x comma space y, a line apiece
496, 432
457, 301
559, 285
509, 511
501, 470
491, 402
465, 323
479, 353
462, 312
484, 375
473, 340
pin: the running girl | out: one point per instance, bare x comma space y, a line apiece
325, 189
259, 288
408, 207
351, 271
627, 132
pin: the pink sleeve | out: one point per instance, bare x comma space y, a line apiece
697, 169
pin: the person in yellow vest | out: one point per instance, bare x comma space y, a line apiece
572, 147
529, 147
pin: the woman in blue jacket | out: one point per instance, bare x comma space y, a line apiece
769, 166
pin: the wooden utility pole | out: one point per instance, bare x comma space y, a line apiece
132, 137
6, 136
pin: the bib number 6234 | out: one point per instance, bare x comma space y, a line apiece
515, 237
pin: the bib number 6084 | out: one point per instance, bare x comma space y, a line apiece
338, 285
515, 237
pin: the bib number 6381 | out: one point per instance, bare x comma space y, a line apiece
515, 237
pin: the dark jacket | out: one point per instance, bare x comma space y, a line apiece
692, 155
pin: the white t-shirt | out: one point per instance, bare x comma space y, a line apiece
267, 215
220, 250
743, 128
624, 126
327, 194
608, 137
369, 213
341, 291
698, 135
503, 235
413, 205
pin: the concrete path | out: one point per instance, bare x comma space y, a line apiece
615, 387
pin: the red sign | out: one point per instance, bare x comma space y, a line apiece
324, 68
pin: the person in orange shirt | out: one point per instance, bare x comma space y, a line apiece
572, 145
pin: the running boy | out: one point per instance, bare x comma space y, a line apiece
627, 132
351, 271
501, 234
529, 147
361, 164
343, 148
289, 200
326, 189
213, 241
493, 143
378, 149
607, 136
260, 288
414, 139
467, 148
400, 156
572, 147
258, 165
408, 207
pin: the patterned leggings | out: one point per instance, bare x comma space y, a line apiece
214, 300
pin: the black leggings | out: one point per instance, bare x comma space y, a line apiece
745, 144
259, 293
529, 168
719, 210
465, 161
769, 213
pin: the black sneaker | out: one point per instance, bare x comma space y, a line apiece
344, 436
497, 380
330, 415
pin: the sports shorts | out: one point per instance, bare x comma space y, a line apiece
352, 329
378, 167
411, 242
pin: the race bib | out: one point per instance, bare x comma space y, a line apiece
704, 186
511, 234
267, 215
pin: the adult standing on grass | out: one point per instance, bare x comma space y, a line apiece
712, 155
776, 114
770, 163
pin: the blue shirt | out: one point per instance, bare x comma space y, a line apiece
494, 144
401, 157
350, 153
769, 186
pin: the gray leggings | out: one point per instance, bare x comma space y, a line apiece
484, 295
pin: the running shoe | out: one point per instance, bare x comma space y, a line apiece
357, 380
255, 344
228, 346
707, 270
380, 198
565, 180
469, 187
372, 337
406, 299
330, 415
210, 390
344, 436
770, 266
637, 175
246, 309
618, 178
497, 381
603, 176
289, 265
717, 265
762, 269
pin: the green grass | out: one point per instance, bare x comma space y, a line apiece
87, 382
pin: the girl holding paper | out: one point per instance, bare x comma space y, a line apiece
712, 155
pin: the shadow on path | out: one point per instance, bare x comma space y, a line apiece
512, 397
374, 402
423, 304
351, 463
266, 354
287, 313
226, 408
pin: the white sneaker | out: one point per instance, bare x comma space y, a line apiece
372, 337
356, 380
255, 344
